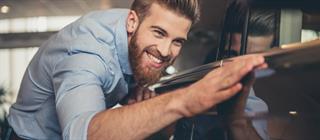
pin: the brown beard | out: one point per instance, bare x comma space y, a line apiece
145, 76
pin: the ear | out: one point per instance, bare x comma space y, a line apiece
132, 22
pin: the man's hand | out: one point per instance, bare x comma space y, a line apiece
220, 84
150, 116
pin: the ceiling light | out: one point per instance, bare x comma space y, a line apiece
5, 9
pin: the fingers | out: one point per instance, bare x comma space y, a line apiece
231, 73
249, 56
227, 83
147, 94
153, 94
222, 83
143, 94
227, 93
254, 59
263, 66
139, 95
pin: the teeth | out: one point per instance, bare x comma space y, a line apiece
155, 59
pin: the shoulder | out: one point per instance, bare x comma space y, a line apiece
106, 18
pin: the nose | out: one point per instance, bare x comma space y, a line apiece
165, 48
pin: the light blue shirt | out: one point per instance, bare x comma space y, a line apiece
80, 71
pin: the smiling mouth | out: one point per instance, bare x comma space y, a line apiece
157, 62
154, 58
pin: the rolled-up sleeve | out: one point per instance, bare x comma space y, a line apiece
78, 81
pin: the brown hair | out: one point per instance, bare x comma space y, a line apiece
187, 8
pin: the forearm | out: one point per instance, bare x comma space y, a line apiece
142, 119
137, 121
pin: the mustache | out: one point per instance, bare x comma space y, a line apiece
155, 52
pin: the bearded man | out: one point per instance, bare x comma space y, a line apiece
85, 69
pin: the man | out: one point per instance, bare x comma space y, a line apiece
77, 76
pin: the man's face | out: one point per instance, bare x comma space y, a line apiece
255, 43
156, 43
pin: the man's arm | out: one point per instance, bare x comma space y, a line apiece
140, 120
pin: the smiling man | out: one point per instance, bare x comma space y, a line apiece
157, 42
80, 73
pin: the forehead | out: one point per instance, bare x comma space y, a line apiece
167, 19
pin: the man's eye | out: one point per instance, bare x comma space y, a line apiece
158, 34
178, 43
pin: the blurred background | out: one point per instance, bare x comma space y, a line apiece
26, 24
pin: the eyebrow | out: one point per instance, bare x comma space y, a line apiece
166, 33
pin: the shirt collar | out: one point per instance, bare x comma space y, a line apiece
122, 45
